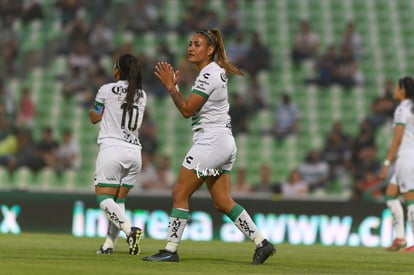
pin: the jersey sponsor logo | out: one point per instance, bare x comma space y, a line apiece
200, 87
119, 90
206, 75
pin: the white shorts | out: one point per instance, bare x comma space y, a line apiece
404, 172
117, 165
212, 153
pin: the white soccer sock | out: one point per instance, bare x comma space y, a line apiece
113, 232
410, 216
176, 225
245, 224
116, 215
397, 217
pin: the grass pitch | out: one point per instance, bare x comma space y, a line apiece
30, 253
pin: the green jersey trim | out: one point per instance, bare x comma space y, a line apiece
200, 93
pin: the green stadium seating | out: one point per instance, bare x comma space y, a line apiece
386, 29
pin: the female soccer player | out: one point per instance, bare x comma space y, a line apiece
120, 107
402, 149
213, 152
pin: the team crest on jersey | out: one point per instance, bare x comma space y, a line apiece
223, 77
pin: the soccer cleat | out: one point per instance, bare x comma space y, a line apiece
133, 240
163, 256
397, 244
262, 253
109, 250
409, 249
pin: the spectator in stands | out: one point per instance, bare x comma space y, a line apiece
383, 107
98, 76
315, 170
347, 73
266, 184
68, 10
26, 110
166, 176
148, 178
7, 97
75, 83
68, 153
337, 128
233, 19
238, 48
9, 146
157, 175
241, 185
77, 32
367, 188
367, 162
258, 57
364, 139
80, 57
194, 17
141, 16
287, 118
259, 98
9, 47
306, 44
239, 113
164, 53
337, 153
352, 40
46, 149
31, 10
295, 186
101, 38
325, 69
148, 136
25, 156
10, 10
7, 120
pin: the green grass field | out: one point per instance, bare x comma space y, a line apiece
64, 254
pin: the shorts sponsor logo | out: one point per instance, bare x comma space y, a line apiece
206, 172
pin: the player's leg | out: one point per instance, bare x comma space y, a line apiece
105, 196
394, 204
409, 202
107, 187
187, 183
220, 190
111, 236
405, 179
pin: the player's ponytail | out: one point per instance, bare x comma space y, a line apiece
130, 70
215, 39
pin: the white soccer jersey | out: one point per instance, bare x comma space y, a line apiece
211, 83
118, 125
404, 115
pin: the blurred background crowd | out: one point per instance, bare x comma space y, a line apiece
312, 117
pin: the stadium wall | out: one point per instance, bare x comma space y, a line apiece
282, 221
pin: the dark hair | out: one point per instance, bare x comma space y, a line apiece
215, 39
130, 70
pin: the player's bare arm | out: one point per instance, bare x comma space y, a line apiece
169, 78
